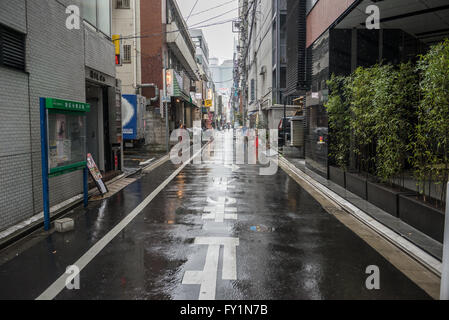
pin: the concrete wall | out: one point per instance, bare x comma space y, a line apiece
155, 133
55, 58
99, 52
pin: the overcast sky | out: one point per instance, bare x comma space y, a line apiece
219, 37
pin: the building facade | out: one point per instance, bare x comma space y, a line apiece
288, 50
338, 41
155, 42
205, 88
262, 60
223, 78
32, 67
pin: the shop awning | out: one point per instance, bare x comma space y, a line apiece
178, 92
191, 103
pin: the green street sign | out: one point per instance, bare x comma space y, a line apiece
66, 105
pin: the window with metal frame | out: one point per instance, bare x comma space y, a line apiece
253, 90
126, 53
123, 4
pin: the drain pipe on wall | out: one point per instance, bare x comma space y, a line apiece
444, 287
149, 85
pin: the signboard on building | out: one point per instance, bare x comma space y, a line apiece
118, 50
65, 105
96, 174
208, 103
166, 99
100, 78
170, 84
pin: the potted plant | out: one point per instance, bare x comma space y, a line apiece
361, 124
338, 114
394, 105
430, 144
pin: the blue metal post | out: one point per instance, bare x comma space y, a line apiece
86, 187
44, 155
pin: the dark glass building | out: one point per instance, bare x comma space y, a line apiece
338, 41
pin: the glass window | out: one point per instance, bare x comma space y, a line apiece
89, 9
253, 90
310, 4
98, 14
104, 16
123, 4
283, 80
282, 5
127, 53
67, 139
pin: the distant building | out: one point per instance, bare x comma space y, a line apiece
262, 60
205, 88
223, 77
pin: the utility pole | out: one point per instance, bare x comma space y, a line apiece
167, 129
284, 122
247, 40
165, 104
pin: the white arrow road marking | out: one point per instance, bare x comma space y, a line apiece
219, 212
220, 184
234, 168
228, 201
208, 277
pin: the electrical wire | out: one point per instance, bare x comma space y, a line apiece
191, 11
220, 15
194, 26
190, 14
219, 6
224, 81
178, 30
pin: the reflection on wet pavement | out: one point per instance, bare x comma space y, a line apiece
212, 233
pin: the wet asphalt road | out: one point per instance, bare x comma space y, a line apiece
274, 242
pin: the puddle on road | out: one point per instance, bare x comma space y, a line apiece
262, 229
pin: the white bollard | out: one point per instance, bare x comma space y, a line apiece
444, 288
